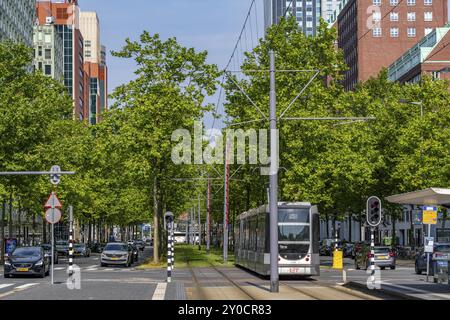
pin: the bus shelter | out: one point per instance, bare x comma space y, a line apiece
427, 197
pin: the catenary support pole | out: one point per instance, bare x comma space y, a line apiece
428, 254
273, 177
225, 205
199, 225
208, 217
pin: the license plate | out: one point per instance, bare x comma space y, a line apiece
383, 257
294, 270
114, 258
22, 269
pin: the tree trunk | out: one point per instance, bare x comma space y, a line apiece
350, 227
394, 236
2, 232
10, 226
156, 241
327, 226
34, 229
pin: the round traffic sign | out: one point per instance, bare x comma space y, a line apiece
53, 215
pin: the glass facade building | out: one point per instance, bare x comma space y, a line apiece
48, 51
307, 13
17, 20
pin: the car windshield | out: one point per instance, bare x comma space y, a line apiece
47, 247
443, 248
27, 252
116, 247
381, 250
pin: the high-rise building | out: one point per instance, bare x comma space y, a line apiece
431, 55
328, 8
94, 66
65, 15
307, 13
16, 20
49, 51
374, 33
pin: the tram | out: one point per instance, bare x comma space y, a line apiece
298, 239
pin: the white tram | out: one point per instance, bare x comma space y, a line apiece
298, 239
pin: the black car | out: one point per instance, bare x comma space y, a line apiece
421, 258
27, 261
48, 251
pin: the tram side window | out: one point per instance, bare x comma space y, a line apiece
246, 234
253, 233
260, 236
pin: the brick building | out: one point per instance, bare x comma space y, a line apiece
374, 33
431, 55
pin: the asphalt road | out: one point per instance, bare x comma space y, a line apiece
119, 283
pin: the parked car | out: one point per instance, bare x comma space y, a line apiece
348, 250
96, 247
116, 254
48, 250
135, 252
421, 257
383, 257
62, 247
27, 261
80, 249
140, 244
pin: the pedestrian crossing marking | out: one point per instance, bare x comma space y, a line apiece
6, 285
160, 291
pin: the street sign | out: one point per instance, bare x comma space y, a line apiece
430, 215
53, 215
53, 202
55, 177
373, 211
429, 243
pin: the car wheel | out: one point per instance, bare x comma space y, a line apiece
48, 272
392, 267
418, 271
42, 274
6, 276
382, 268
103, 264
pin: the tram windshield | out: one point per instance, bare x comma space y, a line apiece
293, 215
293, 233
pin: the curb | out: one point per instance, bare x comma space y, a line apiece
381, 293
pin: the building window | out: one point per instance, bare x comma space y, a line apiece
376, 16
87, 53
40, 51
411, 2
376, 32
377, 2
428, 2
394, 2
428, 16
394, 32
48, 54
48, 70
411, 32
428, 30
87, 43
393, 16
411, 16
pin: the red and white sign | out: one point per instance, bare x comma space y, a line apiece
53, 215
53, 202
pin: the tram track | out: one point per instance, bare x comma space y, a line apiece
318, 297
201, 292
234, 283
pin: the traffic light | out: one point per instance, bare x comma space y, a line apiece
374, 211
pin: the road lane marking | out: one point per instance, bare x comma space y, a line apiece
25, 286
59, 269
418, 291
160, 291
2, 286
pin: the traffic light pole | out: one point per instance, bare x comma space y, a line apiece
372, 255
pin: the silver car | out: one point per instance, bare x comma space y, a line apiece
383, 257
116, 254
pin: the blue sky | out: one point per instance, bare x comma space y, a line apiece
211, 25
